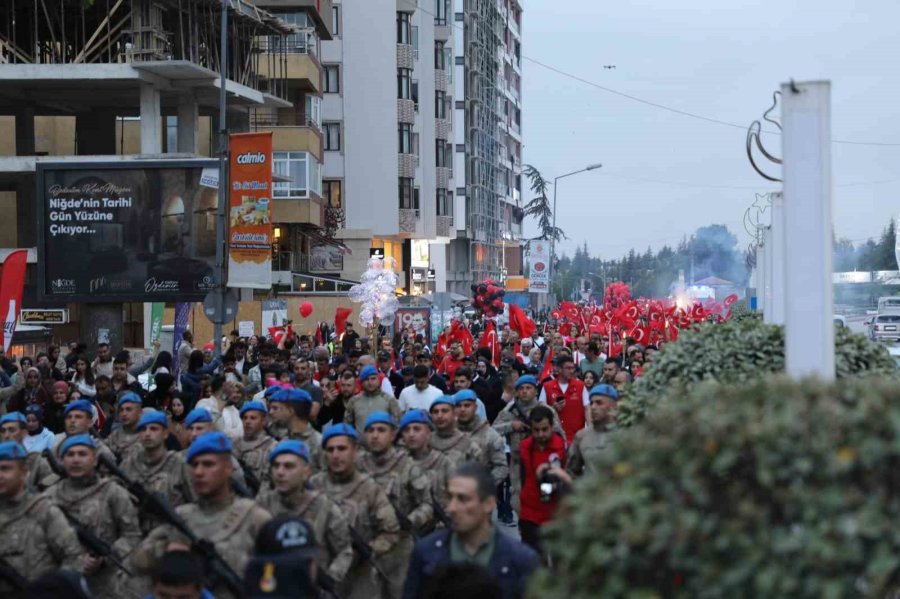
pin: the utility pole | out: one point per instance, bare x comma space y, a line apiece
223, 176
806, 155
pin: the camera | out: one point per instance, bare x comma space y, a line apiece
549, 483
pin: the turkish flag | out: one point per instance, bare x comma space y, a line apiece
548, 366
340, 320
460, 332
520, 323
490, 341
12, 283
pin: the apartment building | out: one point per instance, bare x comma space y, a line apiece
488, 148
115, 81
387, 121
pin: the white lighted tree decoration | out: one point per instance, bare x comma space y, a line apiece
376, 292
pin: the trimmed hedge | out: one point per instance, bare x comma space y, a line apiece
738, 351
769, 489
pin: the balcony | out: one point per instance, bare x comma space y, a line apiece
290, 137
298, 210
294, 58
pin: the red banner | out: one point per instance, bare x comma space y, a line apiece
250, 213
12, 283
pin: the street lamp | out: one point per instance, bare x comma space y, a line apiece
589, 167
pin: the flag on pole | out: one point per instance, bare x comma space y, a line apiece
12, 283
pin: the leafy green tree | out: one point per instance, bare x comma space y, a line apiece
540, 207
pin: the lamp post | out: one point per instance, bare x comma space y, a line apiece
589, 167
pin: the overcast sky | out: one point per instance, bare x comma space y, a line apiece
718, 59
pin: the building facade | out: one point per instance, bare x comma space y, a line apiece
488, 145
387, 124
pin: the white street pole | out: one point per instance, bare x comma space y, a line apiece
769, 279
761, 264
806, 152
777, 260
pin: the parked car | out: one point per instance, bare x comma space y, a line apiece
839, 321
886, 327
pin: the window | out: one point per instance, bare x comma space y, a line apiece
440, 105
444, 202
404, 84
409, 199
415, 93
442, 7
332, 78
331, 192
415, 42
335, 21
305, 41
443, 154
314, 110
332, 134
404, 28
440, 56
302, 169
405, 135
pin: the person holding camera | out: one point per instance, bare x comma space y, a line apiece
541, 455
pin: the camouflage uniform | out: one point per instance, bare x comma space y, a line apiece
254, 455
361, 405
587, 447
278, 430
313, 441
231, 527
237, 477
517, 410
437, 466
37, 539
372, 516
102, 448
169, 476
105, 509
492, 447
327, 521
123, 443
409, 491
458, 447
38, 472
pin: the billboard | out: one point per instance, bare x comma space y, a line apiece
539, 267
131, 230
416, 319
250, 211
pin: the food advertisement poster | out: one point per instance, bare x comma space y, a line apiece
250, 211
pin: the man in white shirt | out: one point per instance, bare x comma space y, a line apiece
420, 394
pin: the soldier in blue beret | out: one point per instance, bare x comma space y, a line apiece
590, 443
37, 539
12, 428
252, 449
292, 408
124, 440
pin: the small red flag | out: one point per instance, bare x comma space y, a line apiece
548, 365
340, 319
490, 341
12, 283
520, 323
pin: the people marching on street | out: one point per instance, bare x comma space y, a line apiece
400, 458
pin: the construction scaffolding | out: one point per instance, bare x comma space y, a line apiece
135, 31
483, 31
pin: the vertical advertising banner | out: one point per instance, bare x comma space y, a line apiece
539, 261
182, 314
12, 284
250, 211
157, 309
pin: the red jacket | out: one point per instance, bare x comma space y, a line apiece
572, 416
532, 508
449, 367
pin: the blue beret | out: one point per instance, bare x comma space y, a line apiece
74, 440
292, 446
466, 395
526, 380
197, 415
270, 391
604, 389
291, 395
254, 405
379, 417
447, 399
10, 450
130, 397
414, 417
80, 404
13, 417
153, 417
367, 371
339, 430
211, 442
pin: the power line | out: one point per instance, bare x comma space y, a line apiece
671, 109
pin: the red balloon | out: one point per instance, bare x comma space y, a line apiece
306, 309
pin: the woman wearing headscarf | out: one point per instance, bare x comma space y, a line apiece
54, 418
39, 436
33, 392
178, 411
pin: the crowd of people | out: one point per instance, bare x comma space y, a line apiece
386, 467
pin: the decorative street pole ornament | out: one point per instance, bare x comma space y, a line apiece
376, 292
